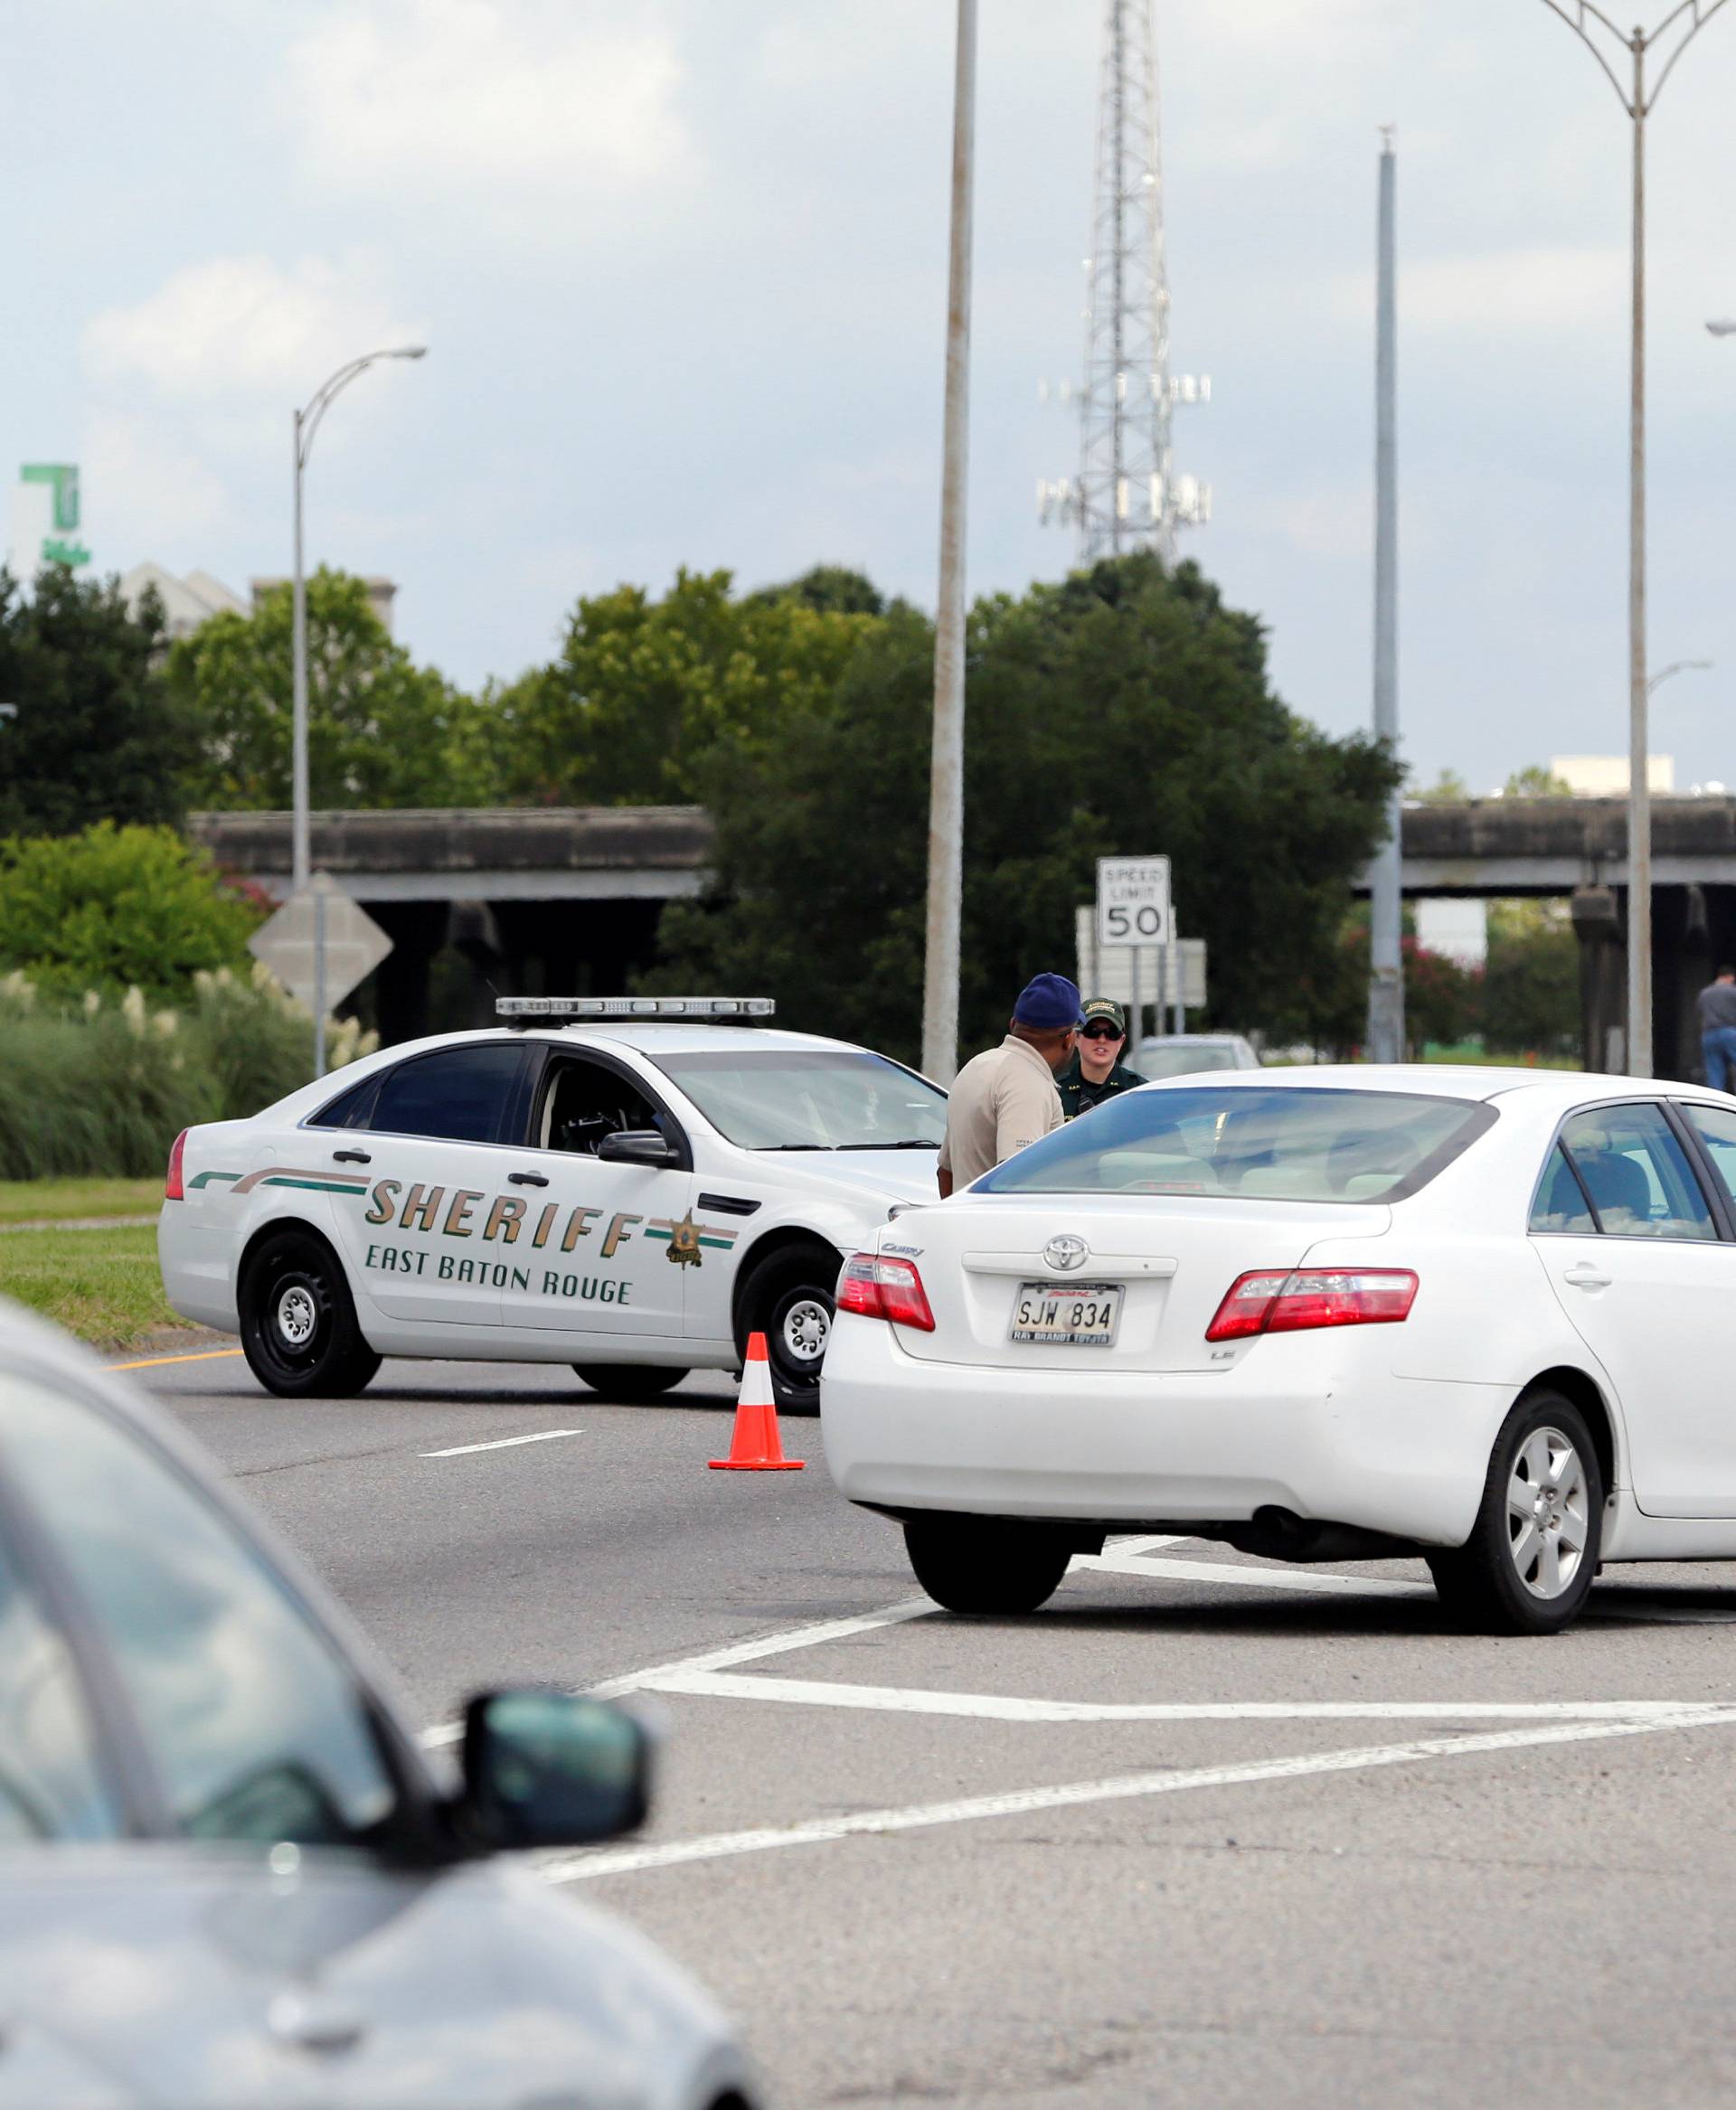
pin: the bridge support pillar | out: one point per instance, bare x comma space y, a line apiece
1689, 924
1603, 972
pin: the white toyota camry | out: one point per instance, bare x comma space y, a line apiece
632, 1192
1326, 1313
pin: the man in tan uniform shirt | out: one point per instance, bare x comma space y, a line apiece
1006, 1098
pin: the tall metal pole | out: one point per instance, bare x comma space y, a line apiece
298, 708
1683, 22
1386, 956
947, 770
307, 424
1640, 788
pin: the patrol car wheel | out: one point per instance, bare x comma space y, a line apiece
629, 1382
986, 1564
789, 1299
299, 1324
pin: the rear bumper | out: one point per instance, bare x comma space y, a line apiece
1316, 1424
196, 1260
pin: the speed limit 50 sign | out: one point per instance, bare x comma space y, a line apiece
1133, 900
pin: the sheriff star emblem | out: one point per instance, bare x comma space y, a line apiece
683, 1243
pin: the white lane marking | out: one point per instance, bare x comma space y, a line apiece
1121, 1550
505, 1443
999, 1707
817, 1831
814, 1635
1272, 1578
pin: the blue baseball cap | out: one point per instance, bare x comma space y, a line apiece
1049, 1003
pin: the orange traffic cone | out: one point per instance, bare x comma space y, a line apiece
755, 1447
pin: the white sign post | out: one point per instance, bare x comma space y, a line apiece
1178, 969
319, 945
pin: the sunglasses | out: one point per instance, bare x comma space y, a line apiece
1099, 1033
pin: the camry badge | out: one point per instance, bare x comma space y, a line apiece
1066, 1252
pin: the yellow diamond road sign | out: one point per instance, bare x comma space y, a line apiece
320, 917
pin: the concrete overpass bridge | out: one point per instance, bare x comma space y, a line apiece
533, 900
1578, 848
568, 898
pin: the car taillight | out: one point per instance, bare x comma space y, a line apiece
876, 1287
173, 1189
1296, 1300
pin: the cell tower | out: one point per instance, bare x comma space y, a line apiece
1126, 495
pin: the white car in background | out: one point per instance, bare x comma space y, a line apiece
630, 1185
1162, 1055
1330, 1313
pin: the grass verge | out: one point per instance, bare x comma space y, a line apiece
101, 1285
50, 1200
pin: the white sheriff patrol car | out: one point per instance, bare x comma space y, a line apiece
627, 1184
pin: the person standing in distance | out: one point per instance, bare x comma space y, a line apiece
1005, 1098
1097, 1071
1717, 1006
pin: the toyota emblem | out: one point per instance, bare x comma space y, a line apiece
1066, 1252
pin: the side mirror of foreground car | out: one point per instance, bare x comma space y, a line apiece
636, 1147
553, 1769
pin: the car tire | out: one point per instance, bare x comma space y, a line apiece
986, 1564
300, 1331
629, 1382
787, 1297
1528, 1565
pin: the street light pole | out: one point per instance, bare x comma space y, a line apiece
1386, 886
1687, 18
947, 766
307, 424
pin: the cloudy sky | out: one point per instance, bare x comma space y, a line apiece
681, 267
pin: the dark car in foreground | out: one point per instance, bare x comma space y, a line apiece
228, 1877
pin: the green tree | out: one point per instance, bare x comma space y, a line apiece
381, 731
1534, 781
831, 589
113, 906
93, 732
1532, 981
1450, 789
1125, 711
644, 690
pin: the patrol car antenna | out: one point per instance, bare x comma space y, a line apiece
1127, 495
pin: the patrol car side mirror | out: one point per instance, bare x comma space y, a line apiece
636, 1147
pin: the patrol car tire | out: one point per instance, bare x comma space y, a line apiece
986, 1565
787, 1297
298, 1326
629, 1382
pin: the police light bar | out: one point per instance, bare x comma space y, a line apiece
698, 1010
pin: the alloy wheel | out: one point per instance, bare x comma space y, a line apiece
1548, 1513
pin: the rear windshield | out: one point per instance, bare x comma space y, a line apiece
1293, 1144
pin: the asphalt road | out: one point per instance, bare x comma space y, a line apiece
1205, 1831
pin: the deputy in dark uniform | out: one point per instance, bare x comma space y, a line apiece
1097, 1071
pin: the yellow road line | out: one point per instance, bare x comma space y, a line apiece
154, 1361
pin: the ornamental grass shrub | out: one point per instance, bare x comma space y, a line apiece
100, 1087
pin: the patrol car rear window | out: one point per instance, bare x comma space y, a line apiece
349, 1109
461, 1095
823, 1098
1299, 1145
